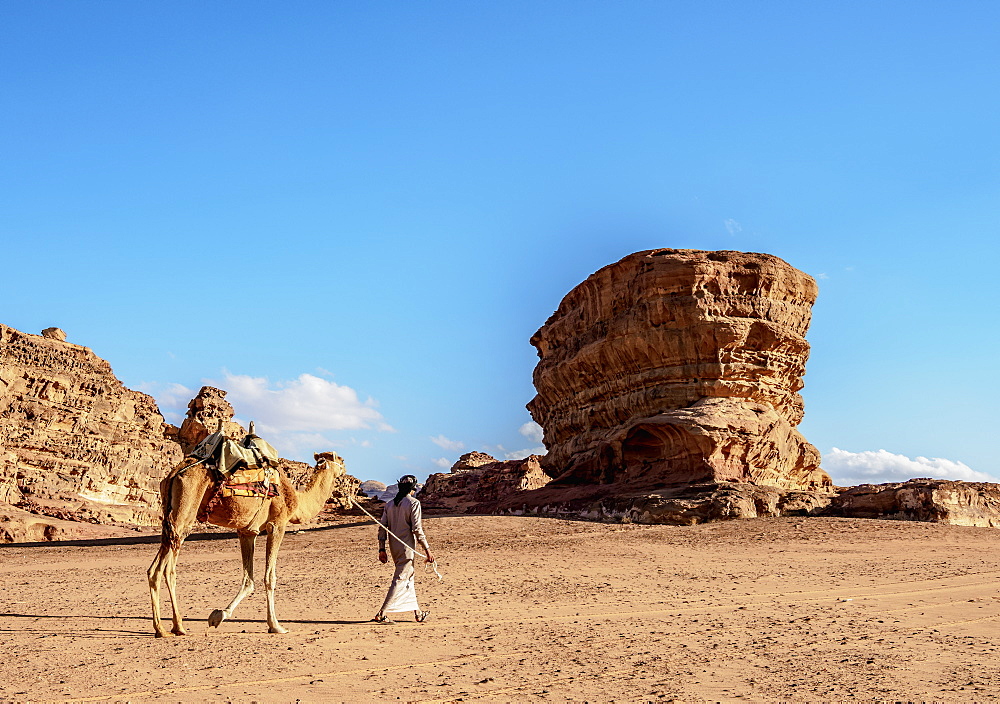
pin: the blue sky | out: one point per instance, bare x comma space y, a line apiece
388, 199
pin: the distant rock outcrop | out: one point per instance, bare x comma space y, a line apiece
372, 488
74, 442
678, 367
932, 500
478, 483
205, 412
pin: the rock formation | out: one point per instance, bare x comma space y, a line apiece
372, 488
933, 500
205, 411
74, 442
678, 367
478, 483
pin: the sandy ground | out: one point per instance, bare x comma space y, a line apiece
792, 610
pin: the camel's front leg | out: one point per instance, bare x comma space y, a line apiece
247, 542
274, 538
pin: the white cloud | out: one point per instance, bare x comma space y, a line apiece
880, 466
732, 227
532, 430
442, 463
521, 454
305, 404
298, 446
822, 276
446, 444
298, 416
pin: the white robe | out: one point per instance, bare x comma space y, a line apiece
405, 521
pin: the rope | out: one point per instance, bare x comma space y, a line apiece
401, 541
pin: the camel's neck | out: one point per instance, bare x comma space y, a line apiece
312, 499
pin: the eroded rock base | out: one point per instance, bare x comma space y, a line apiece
681, 505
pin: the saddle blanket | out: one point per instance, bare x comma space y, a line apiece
259, 482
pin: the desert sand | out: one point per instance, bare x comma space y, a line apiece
787, 609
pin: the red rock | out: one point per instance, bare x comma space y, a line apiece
674, 367
79, 448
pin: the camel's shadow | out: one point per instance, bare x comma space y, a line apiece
155, 539
305, 622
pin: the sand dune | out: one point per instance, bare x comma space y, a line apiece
798, 610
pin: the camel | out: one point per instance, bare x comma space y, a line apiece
189, 486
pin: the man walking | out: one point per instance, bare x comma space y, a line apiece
402, 517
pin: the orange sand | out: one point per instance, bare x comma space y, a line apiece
795, 610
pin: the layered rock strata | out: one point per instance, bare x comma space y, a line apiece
478, 483
74, 441
677, 367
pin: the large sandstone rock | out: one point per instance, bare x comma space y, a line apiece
933, 500
676, 367
479, 483
74, 442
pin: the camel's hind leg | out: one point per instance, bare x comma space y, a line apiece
171, 574
181, 498
247, 542
274, 538
155, 575
164, 568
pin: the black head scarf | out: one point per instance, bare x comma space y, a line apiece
405, 485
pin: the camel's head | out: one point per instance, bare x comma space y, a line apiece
330, 461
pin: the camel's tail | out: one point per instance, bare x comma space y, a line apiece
169, 537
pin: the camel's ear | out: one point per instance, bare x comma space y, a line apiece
316, 457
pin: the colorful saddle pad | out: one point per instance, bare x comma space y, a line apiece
261, 482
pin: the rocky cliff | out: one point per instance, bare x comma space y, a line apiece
677, 367
81, 455
74, 442
478, 483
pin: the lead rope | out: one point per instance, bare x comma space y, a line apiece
401, 542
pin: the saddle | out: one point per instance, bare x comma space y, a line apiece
247, 469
